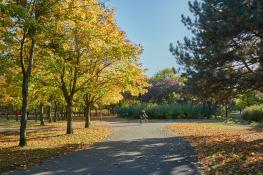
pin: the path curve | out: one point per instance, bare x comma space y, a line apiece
132, 149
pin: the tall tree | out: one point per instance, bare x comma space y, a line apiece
22, 24
76, 46
224, 56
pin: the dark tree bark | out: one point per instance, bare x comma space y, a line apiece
7, 114
62, 114
55, 112
42, 123
23, 121
25, 84
49, 114
87, 115
80, 111
69, 118
100, 113
65, 113
96, 112
226, 110
36, 115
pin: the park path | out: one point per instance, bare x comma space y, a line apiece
132, 149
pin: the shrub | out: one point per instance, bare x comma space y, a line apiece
165, 111
253, 113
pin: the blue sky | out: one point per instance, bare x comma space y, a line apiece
153, 24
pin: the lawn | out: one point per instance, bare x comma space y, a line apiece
47, 142
224, 149
32, 124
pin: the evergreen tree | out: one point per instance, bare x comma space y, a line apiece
225, 55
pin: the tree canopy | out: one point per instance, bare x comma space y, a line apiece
224, 56
69, 52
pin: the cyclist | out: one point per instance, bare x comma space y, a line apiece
143, 116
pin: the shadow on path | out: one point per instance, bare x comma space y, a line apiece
157, 156
132, 149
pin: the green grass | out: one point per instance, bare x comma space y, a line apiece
5, 122
12, 122
236, 119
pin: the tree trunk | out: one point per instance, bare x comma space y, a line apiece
7, 114
36, 115
55, 112
49, 114
87, 115
23, 120
209, 109
100, 112
64, 113
42, 123
25, 84
69, 118
62, 117
96, 112
80, 111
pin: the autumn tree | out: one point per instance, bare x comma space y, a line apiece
110, 84
75, 47
22, 24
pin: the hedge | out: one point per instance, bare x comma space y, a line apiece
253, 113
165, 111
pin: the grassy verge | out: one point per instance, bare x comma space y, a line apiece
239, 121
31, 124
224, 149
44, 144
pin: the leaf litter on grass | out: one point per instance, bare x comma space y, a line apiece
45, 144
224, 149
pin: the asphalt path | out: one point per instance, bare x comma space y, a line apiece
132, 149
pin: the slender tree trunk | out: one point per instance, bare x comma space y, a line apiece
55, 112
96, 112
25, 84
42, 123
49, 114
87, 115
23, 120
7, 114
80, 111
36, 115
69, 118
100, 112
64, 113
62, 117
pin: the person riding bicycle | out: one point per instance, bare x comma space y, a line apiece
143, 116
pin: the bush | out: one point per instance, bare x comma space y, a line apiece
165, 111
253, 113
